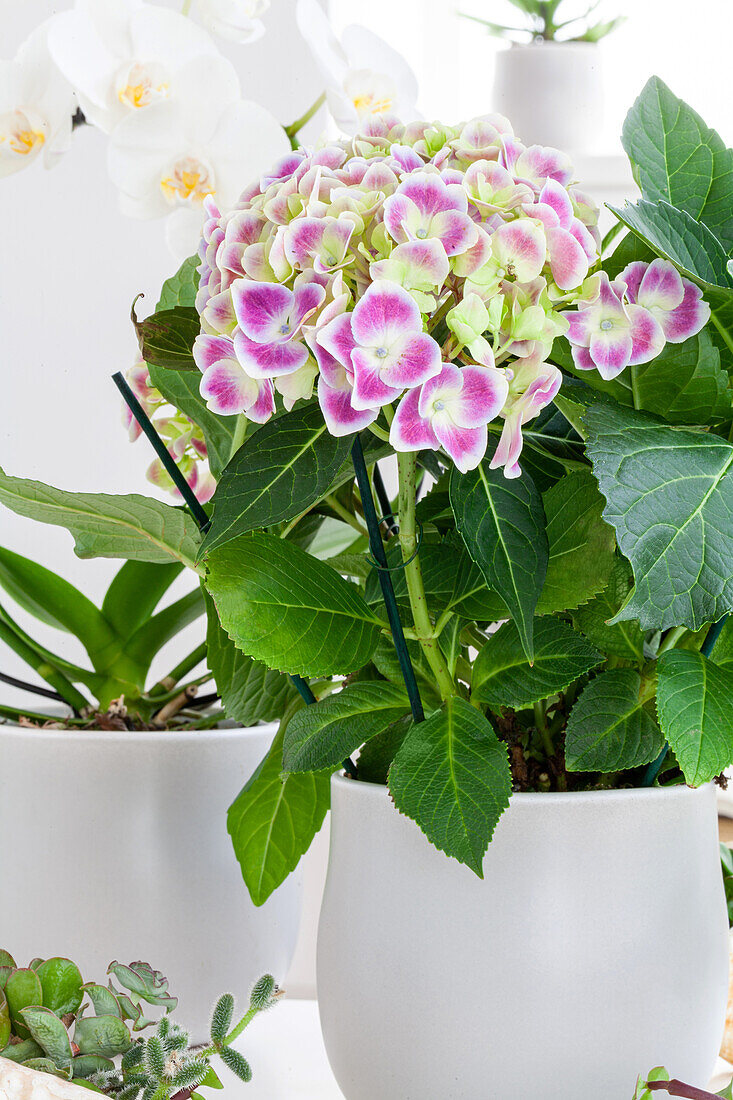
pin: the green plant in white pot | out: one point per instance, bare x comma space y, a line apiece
550, 79
444, 291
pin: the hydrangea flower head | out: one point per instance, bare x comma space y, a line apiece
419, 274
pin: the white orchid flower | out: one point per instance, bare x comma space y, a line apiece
364, 75
36, 107
235, 20
206, 141
124, 56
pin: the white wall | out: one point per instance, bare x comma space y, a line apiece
70, 265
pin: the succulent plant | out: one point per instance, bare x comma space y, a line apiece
51, 1020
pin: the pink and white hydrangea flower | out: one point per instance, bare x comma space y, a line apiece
225, 386
270, 319
674, 302
451, 410
532, 386
607, 334
424, 207
570, 246
383, 343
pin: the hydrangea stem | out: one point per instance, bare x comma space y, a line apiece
407, 466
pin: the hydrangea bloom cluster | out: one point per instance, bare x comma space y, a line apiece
182, 437
422, 272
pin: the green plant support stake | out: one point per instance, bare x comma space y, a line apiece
706, 649
377, 548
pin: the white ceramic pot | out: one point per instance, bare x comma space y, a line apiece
595, 948
553, 94
115, 846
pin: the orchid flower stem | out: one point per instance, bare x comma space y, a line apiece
186, 665
294, 128
407, 466
344, 514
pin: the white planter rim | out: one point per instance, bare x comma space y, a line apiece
571, 45
378, 792
206, 736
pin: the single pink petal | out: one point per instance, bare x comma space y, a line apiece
269, 360
386, 309
484, 393
521, 248
208, 350
400, 212
263, 408
303, 239
509, 448
543, 213
412, 360
227, 389
466, 446
554, 194
409, 431
647, 335
261, 309
307, 298
610, 351
468, 262
431, 195
539, 163
585, 239
339, 414
582, 359
455, 230
661, 287
688, 318
406, 157
632, 275
568, 261
219, 312
581, 327
370, 391
337, 339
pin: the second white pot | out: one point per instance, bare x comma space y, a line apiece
595, 948
115, 846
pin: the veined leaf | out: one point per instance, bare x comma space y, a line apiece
722, 653
695, 706
451, 775
623, 639
250, 692
166, 338
106, 1036
502, 523
50, 1034
670, 500
323, 734
277, 474
106, 526
685, 383
676, 157
273, 820
503, 677
286, 608
609, 728
181, 288
136, 590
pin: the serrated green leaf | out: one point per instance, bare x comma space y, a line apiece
502, 523
104, 1035
61, 983
5, 1025
180, 289
50, 1034
685, 384
250, 691
375, 759
609, 728
675, 236
277, 474
451, 776
670, 499
273, 820
324, 734
286, 608
722, 653
676, 157
581, 544
22, 988
166, 338
623, 639
695, 707
503, 677
386, 662
105, 526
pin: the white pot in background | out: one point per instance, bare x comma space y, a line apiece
115, 846
552, 92
595, 948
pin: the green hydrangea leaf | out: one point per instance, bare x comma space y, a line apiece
610, 727
695, 707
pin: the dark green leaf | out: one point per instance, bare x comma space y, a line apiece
107, 526
685, 383
503, 677
324, 734
50, 1034
22, 988
104, 1035
277, 474
695, 705
84, 1065
166, 338
623, 639
181, 288
286, 608
250, 691
135, 592
375, 759
722, 654
21, 1052
149, 638
451, 776
676, 157
609, 727
61, 984
221, 1017
273, 821
5, 1025
502, 523
386, 662
670, 500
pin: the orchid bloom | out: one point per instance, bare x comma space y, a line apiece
364, 75
235, 20
607, 334
674, 302
36, 107
451, 410
123, 56
225, 386
532, 386
383, 343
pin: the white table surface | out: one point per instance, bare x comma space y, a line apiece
288, 1059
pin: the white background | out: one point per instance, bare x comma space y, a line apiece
71, 263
